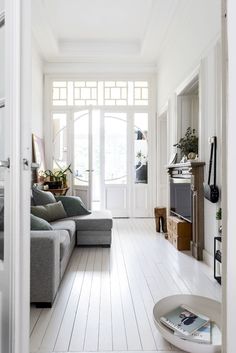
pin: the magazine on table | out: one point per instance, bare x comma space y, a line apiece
184, 320
202, 335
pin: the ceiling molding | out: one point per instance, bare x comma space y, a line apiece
42, 32
84, 48
96, 68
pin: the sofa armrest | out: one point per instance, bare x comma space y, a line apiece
45, 266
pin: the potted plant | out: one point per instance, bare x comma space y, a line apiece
188, 144
56, 178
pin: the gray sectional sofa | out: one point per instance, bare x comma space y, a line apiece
51, 250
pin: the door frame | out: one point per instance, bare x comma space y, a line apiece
16, 264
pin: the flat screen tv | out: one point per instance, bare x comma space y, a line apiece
181, 198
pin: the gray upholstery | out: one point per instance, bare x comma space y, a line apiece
51, 250
97, 220
64, 224
41, 197
67, 255
45, 266
88, 237
64, 242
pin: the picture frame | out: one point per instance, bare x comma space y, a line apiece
173, 158
38, 157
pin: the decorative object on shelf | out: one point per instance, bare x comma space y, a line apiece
38, 157
56, 179
217, 259
219, 218
189, 143
173, 158
211, 191
219, 214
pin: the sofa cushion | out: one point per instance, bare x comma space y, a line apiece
42, 197
64, 224
37, 223
64, 243
50, 212
73, 205
97, 220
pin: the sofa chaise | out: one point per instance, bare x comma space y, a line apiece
51, 249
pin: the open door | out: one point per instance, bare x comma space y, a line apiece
15, 54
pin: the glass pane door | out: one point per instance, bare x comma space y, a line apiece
115, 148
82, 154
116, 196
141, 147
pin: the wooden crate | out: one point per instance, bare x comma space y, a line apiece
181, 243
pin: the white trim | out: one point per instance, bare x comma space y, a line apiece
208, 258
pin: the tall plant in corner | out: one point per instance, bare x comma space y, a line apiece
188, 143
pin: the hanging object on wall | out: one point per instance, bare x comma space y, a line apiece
211, 191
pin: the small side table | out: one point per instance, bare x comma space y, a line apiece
160, 216
58, 192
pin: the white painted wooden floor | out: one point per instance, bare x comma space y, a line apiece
106, 298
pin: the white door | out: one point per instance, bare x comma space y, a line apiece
82, 155
15, 54
116, 178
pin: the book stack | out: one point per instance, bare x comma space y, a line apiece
192, 326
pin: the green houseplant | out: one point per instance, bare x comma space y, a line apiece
188, 143
57, 175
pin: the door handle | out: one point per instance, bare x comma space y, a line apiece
89, 170
2, 19
5, 164
2, 102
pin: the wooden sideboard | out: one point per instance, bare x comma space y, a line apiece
194, 173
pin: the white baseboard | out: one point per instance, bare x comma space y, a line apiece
208, 258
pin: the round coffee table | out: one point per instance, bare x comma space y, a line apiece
206, 306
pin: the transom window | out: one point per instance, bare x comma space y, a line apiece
100, 93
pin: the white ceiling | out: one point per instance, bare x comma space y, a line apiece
130, 31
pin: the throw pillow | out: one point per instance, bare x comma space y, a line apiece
39, 223
50, 212
73, 205
42, 197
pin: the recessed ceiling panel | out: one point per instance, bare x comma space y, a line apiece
98, 19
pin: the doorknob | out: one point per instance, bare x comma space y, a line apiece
5, 164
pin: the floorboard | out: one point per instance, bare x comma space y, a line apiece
106, 298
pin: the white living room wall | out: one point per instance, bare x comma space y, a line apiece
192, 42
37, 91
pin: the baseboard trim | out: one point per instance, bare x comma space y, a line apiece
208, 258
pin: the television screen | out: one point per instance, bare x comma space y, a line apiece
181, 198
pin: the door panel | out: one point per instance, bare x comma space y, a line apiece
82, 154
116, 176
141, 191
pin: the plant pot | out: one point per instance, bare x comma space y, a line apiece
53, 184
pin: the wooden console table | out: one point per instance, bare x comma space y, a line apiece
195, 172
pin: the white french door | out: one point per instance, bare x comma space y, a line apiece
110, 156
15, 157
100, 159
82, 154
